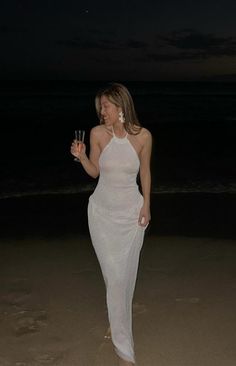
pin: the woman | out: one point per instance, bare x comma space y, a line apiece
118, 213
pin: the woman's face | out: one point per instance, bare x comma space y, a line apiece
109, 111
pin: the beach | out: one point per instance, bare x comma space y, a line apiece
52, 299
52, 294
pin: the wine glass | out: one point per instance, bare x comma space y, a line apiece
79, 139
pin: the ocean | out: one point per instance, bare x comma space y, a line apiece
193, 126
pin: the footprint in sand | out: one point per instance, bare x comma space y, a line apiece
16, 297
26, 326
48, 359
139, 309
43, 359
16, 294
30, 322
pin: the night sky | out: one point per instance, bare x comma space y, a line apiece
123, 40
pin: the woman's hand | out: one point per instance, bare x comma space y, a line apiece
78, 150
144, 216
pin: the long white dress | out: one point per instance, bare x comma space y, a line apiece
113, 213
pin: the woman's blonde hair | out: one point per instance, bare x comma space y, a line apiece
119, 95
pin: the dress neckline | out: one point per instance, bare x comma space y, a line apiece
120, 139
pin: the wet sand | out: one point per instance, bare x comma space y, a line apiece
53, 309
52, 296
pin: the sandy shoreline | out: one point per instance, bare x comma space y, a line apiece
53, 309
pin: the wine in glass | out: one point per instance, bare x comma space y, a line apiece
79, 140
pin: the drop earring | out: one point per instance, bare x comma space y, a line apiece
121, 117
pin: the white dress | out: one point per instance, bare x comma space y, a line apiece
113, 213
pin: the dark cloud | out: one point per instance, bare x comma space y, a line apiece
189, 44
191, 39
182, 56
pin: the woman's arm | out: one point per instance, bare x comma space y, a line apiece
145, 176
90, 164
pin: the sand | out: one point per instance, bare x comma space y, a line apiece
52, 303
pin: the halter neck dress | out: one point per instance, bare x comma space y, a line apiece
117, 238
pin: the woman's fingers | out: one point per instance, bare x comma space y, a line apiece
77, 149
74, 149
142, 221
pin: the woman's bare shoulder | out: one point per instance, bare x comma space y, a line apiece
144, 134
98, 131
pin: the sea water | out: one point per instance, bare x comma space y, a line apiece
193, 126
